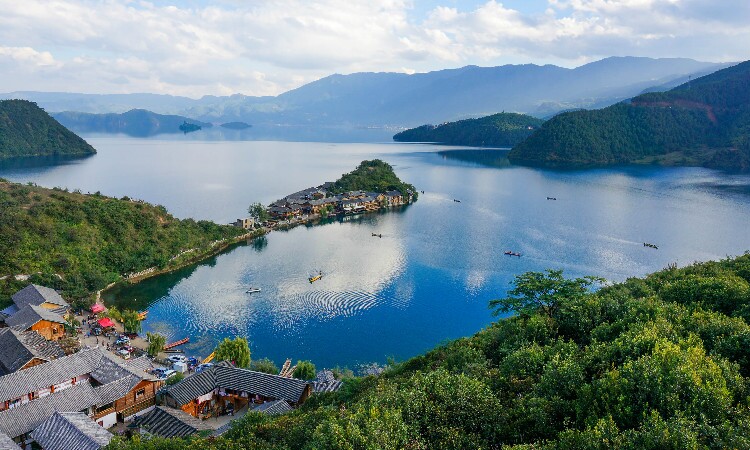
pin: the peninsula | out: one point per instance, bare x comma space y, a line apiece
27, 130
136, 122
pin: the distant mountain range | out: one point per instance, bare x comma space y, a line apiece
136, 122
703, 122
497, 130
402, 100
26, 130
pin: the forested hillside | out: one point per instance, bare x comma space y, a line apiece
26, 130
704, 122
497, 130
88, 240
655, 363
372, 175
136, 122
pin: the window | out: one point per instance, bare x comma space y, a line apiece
140, 393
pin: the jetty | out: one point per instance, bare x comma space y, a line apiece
176, 343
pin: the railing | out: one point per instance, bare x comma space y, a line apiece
138, 407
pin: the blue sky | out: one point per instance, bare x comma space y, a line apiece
259, 47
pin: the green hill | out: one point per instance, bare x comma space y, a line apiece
655, 363
372, 175
26, 130
705, 122
497, 130
89, 240
136, 122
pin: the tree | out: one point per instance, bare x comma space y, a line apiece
236, 351
264, 365
305, 370
174, 379
114, 313
156, 342
546, 292
71, 323
258, 212
131, 321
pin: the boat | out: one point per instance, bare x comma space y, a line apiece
176, 343
142, 315
252, 290
315, 278
377, 235
512, 253
457, 201
551, 198
646, 244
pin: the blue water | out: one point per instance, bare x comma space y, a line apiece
439, 262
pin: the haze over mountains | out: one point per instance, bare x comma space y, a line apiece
402, 100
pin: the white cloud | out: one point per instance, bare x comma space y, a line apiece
267, 47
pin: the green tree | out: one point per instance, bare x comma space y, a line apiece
236, 351
156, 342
131, 321
546, 292
174, 379
71, 324
258, 212
264, 365
305, 370
114, 313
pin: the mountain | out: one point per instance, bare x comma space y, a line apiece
136, 122
704, 122
497, 130
403, 100
27, 130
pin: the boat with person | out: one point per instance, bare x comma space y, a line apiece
252, 290
315, 278
512, 253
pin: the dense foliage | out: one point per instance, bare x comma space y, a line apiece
497, 130
236, 351
705, 122
80, 243
26, 130
374, 176
653, 363
136, 122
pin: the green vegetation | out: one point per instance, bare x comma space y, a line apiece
131, 321
705, 122
174, 379
258, 212
497, 130
652, 363
156, 343
304, 370
237, 351
264, 365
80, 243
374, 176
136, 122
187, 127
26, 130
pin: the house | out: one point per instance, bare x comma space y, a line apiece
246, 223
46, 322
167, 423
104, 387
40, 296
21, 350
273, 408
393, 198
279, 212
70, 430
213, 390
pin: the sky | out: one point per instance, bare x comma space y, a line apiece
257, 47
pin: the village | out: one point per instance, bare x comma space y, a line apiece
54, 395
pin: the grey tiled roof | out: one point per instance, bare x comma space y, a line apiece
24, 418
169, 422
274, 407
115, 390
6, 443
327, 386
31, 314
393, 194
18, 348
34, 294
71, 430
228, 377
9, 311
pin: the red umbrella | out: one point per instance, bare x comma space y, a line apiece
97, 308
106, 322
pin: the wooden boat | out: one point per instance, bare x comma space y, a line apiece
457, 201
377, 235
551, 198
315, 278
512, 253
646, 244
142, 315
252, 290
176, 343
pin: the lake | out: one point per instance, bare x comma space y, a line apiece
439, 262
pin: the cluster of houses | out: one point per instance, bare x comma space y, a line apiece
314, 200
55, 401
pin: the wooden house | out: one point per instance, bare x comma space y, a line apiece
70, 430
46, 322
21, 350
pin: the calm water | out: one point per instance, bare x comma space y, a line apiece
439, 262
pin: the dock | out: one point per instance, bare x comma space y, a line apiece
176, 343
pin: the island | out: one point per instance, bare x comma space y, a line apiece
188, 127
27, 130
371, 187
498, 130
236, 125
703, 122
136, 122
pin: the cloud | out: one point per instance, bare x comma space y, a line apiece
267, 47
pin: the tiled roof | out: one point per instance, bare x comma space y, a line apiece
273, 408
18, 348
228, 377
327, 386
26, 417
31, 314
71, 430
169, 422
9, 311
115, 390
6, 443
104, 367
393, 193
36, 295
